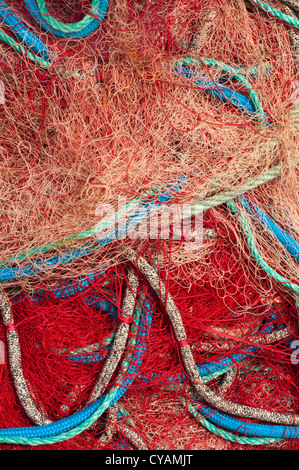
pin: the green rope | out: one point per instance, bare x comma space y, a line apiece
255, 253
67, 435
21, 49
232, 437
70, 27
106, 403
227, 435
211, 427
206, 204
252, 441
293, 22
214, 429
205, 423
38, 60
235, 74
265, 67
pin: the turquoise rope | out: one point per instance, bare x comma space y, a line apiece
255, 253
235, 73
289, 20
52, 433
82, 29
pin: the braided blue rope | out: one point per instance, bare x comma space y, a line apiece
33, 9
12, 20
73, 287
222, 92
91, 358
67, 424
204, 369
93, 301
288, 242
207, 368
16, 273
249, 429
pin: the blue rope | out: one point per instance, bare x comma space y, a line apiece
12, 20
16, 273
288, 242
66, 424
246, 428
222, 92
91, 358
249, 429
93, 301
33, 9
204, 369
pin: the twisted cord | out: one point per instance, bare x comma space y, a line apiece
82, 29
119, 341
22, 32
15, 364
71, 27
250, 429
255, 253
111, 363
294, 37
22, 50
69, 427
222, 92
218, 199
252, 441
7, 274
277, 233
187, 357
195, 411
294, 4
208, 203
290, 21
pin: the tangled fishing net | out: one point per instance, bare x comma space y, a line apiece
149, 224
